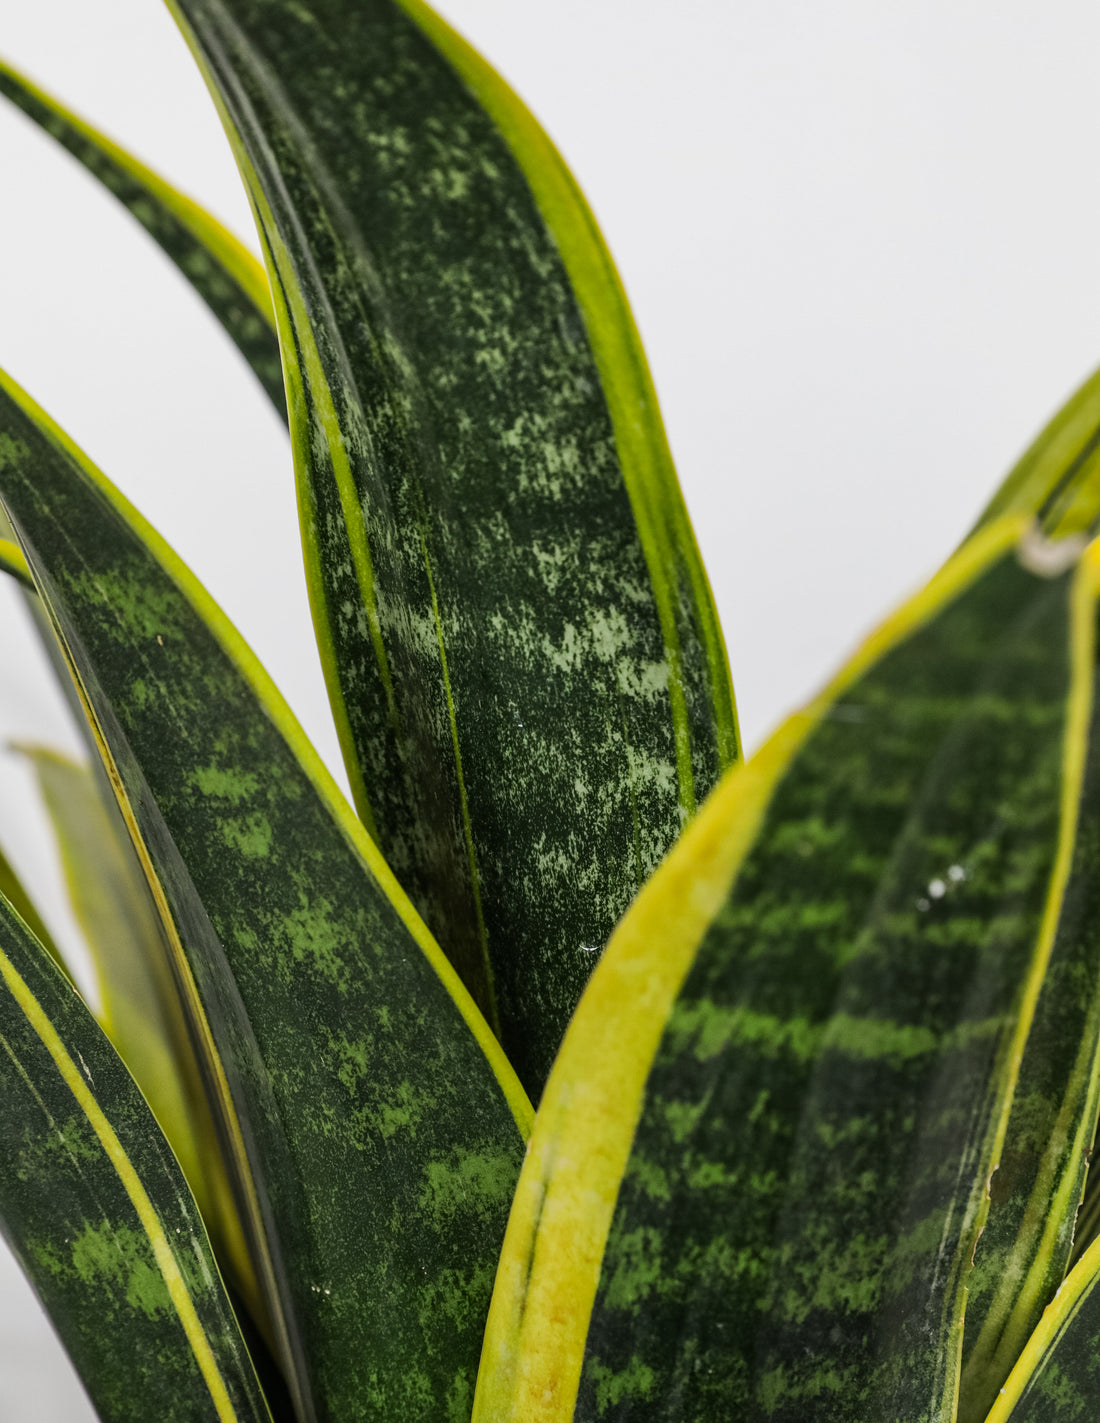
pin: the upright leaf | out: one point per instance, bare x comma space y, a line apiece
1037, 1188
1057, 479
141, 1011
374, 1128
1057, 1374
97, 1212
223, 272
759, 1170
520, 645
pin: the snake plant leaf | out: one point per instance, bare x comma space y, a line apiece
371, 1122
1034, 1223
97, 1212
219, 267
520, 644
1057, 1374
1057, 479
140, 1007
759, 1169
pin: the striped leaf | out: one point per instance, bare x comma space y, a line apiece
759, 1170
1058, 1373
372, 1124
223, 272
1038, 1185
97, 1212
521, 649
140, 1008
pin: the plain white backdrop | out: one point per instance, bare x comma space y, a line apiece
861, 245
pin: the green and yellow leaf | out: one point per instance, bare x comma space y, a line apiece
1056, 1375
372, 1125
141, 1010
96, 1210
759, 1171
220, 268
521, 648
1057, 479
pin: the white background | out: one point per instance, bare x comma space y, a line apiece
861, 241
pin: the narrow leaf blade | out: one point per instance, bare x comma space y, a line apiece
520, 645
141, 1011
760, 1186
222, 271
371, 1121
97, 1211
1057, 1374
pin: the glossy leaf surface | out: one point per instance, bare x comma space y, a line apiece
97, 1211
520, 644
760, 1168
218, 266
372, 1123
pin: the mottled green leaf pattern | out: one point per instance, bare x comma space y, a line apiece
374, 1124
804, 1188
98, 1213
1036, 1190
140, 1008
531, 698
223, 272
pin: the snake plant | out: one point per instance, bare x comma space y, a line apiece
813, 1038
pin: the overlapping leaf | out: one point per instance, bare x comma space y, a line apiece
222, 271
761, 1164
372, 1123
140, 1007
1057, 1374
521, 649
97, 1211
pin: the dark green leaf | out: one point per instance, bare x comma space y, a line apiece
222, 271
1036, 1190
97, 1211
373, 1125
140, 1006
764, 1150
1057, 1375
521, 648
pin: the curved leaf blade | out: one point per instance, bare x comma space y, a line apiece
521, 649
98, 1213
141, 1011
372, 1124
219, 267
1037, 1188
1057, 479
760, 1187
